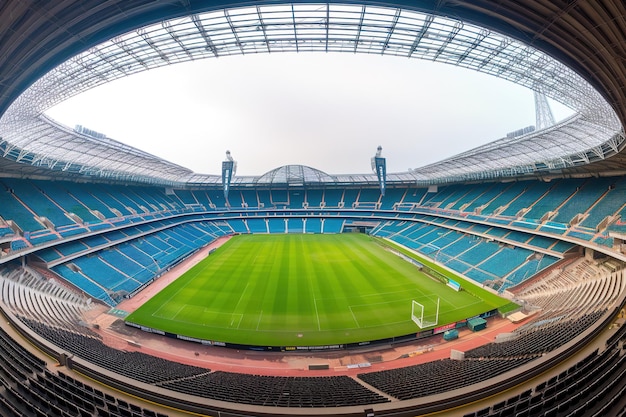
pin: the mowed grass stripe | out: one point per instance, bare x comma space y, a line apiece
286, 290
254, 271
299, 300
328, 310
223, 297
373, 267
371, 289
385, 300
339, 278
310, 290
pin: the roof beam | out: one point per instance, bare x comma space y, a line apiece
170, 31
477, 41
121, 43
210, 45
449, 38
234, 30
142, 32
262, 26
391, 29
422, 32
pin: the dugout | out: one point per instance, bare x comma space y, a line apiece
476, 324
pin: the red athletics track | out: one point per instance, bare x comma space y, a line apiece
276, 363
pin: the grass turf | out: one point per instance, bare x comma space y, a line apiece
303, 290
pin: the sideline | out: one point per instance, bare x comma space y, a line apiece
278, 363
132, 304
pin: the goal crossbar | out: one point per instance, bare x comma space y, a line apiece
420, 318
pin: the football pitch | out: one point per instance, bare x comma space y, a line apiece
303, 290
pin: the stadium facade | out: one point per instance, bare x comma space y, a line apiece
537, 216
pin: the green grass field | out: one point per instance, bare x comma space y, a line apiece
303, 290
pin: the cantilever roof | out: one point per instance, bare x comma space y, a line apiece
594, 133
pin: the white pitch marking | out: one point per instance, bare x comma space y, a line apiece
258, 323
354, 317
319, 327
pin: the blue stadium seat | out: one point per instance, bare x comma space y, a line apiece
486, 196
558, 193
314, 198
276, 225
313, 225
587, 195
279, 198
330, 225
264, 198
609, 205
235, 199
527, 198
38, 202
392, 196
249, 198
295, 225
238, 226
257, 225
332, 198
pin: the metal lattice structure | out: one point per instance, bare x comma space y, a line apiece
593, 133
543, 114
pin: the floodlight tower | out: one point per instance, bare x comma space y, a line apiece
229, 167
379, 166
543, 114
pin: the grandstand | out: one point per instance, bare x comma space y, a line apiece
88, 223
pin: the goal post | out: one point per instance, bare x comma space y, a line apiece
421, 318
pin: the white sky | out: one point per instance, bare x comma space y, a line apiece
328, 111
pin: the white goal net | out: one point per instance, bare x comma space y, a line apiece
422, 318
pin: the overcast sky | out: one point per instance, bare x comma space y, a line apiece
328, 111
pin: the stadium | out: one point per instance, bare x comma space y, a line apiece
487, 284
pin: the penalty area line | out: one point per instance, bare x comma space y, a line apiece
258, 323
319, 326
354, 317
172, 318
232, 321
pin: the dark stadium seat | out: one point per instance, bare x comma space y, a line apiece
135, 247
537, 216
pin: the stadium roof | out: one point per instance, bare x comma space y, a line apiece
61, 49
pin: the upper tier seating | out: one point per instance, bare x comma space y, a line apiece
557, 195
487, 262
533, 192
265, 199
393, 197
75, 208
235, 200
572, 207
38, 202
14, 209
314, 198
249, 198
485, 197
